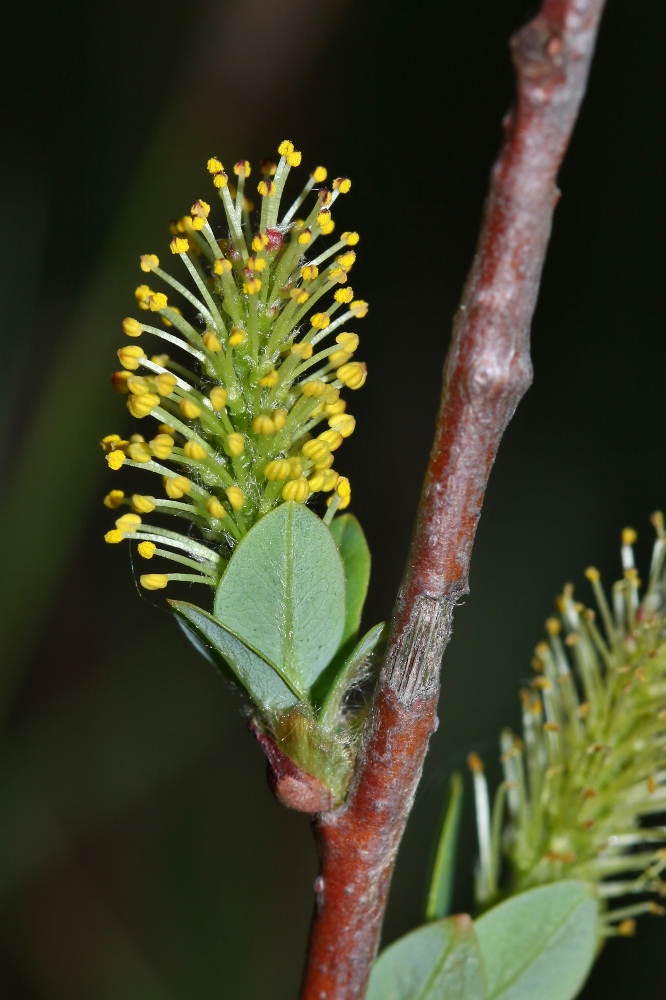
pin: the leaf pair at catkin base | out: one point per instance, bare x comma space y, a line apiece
538, 945
284, 628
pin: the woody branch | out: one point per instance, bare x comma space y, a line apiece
487, 372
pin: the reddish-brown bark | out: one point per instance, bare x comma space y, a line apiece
487, 371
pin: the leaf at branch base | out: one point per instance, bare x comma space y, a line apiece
355, 553
349, 673
440, 961
283, 593
234, 659
541, 943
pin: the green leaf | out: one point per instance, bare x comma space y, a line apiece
443, 869
349, 672
283, 593
233, 658
355, 553
540, 943
440, 961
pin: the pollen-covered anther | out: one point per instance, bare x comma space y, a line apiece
309, 272
114, 536
344, 295
115, 459
149, 261
259, 242
154, 581
146, 549
285, 148
215, 508
256, 263
342, 184
353, 375
142, 293
300, 295
222, 266
119, 382
129, 356
302, 350
348, 342
212, 342
142, 504
179, 245
320, 321
343, 423
235, 444
114, 499
214, 166
324, 218
176, 486
346, 260
236, 497
276, 470
351, 239
189, 409
242, 168
305, 237
192, 449
343, 490
200, 211
157, 301
270, 379
218, 396
266, 188
162, 445
297, 490
132, 327
629, 536
237, 336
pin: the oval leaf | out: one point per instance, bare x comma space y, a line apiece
540, 943
440, 961
284, 593
355, 553
233, 658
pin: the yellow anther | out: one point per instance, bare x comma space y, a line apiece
256, 263
129, 523
266, 188
305, 237
222, 266
327, 227
157, 301
323, 463
279, 418
235, 497
325, 197
220, 180
129, 356
300, 295
142, 294
344, 295
338, 274
359, 308
194, 450
259, 242
165, 383
351, 239
343, 489
342, 184
627, 928
179, 245
302, 350
119, 382
309, 272
136, 438
142, 504
154, 581
319, 175
132, 327
315, 450
115, 459
294, 159
218, 398
114, 499
215, 508
331, 409
315, 388
333, 438
295, 467
235, 444
160, 359
212, 342
140, 452
242, 168
267, 167
347, 341
149, 261
331, 479
237, 336
189, 409
114, 536
338, 358
353, 375
162, 446
262, 424
320, 321
324, 218
343, 423
200, 209
146, 549
277, 469
296, 490
141, 406
214, 166
285, 148
629, 536
270, 379
346, 260
593, 574
316, 482
176, 486
332, 395
553, 626
138, 386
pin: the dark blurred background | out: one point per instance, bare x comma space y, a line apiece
141, 854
